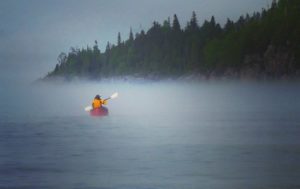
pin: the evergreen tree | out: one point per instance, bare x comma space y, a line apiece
167, 24
229, 26
119, 39
192, 25
176, 24
131, 35
108, 47
96, 48
213, 21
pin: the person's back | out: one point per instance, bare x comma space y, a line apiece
98, 102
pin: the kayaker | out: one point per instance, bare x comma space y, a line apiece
98, 102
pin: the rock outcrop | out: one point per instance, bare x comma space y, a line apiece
278, 61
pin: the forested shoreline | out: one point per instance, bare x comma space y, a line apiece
265, 44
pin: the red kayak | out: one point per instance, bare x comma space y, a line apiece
103, 111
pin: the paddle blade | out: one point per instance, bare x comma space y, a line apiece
88, 108
115, 95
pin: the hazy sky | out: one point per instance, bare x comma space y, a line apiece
34, 32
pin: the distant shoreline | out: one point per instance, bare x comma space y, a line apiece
260, 46
228, 75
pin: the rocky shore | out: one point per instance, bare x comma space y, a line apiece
276, 63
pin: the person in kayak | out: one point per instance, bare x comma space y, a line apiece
98, 102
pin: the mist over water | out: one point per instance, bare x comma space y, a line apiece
165, 134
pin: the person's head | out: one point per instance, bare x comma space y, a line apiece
97, 97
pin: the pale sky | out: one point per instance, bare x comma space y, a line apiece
34, 32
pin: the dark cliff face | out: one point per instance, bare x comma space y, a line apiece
279, 61
275, 62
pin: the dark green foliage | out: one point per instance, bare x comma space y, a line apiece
252, 35
176, 25
168, 50
119, 39
130, 36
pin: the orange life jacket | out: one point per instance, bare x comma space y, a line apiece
97, 103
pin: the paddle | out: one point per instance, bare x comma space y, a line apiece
115, 95
89, 108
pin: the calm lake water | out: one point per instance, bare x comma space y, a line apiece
168, 135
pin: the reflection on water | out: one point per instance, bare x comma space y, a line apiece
158, 135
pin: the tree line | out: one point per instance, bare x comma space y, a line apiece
168, 49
